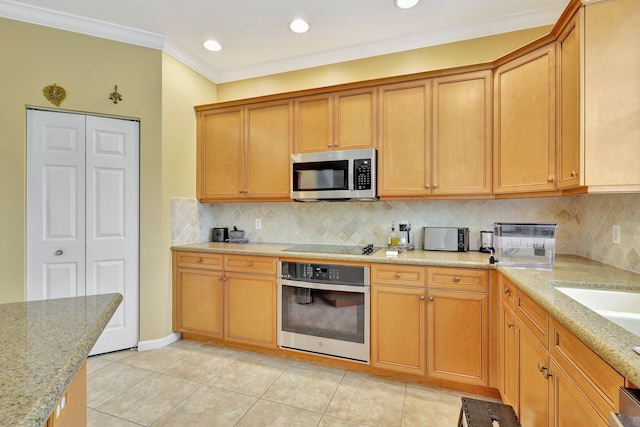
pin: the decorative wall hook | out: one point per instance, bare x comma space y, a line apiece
115, 96
55, 94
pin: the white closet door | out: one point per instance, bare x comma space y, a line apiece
55, 205
83, 214
112, 162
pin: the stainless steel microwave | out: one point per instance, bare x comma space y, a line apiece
334, 175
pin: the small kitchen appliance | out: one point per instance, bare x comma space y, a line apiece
334, 175
525, 244
220, 234
486, 241
454, 239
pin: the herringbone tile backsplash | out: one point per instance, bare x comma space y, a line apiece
584, 222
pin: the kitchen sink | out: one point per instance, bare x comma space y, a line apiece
620, 307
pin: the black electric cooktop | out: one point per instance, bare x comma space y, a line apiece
334, 249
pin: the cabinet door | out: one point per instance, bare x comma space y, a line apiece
200, 302
569, 125
404, 145
398, 328
356, 119
571, 408
314, 123
250, 309
612, 128
508, 354
524, 150
458, 336
535, 390
219, 169
462, 134
269, 134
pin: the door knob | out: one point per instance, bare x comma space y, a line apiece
58, 252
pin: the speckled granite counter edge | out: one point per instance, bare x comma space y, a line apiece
41, 411
611, 342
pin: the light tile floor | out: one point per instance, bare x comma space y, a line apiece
194, 384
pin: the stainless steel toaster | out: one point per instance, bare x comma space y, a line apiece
455, 239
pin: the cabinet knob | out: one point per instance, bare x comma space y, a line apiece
335, 144
540, 367
329, 145
550, 179
397, 275
457, 279
58, 252
240, 191
427, 186
507, 291
249, 263
574, 174
435, 185
430, 298
421, 297
198, 259
509, 325
546, 374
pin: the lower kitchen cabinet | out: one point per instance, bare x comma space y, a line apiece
398, 328
571, 407
458, 336
71, 410
509, 368
231, 297
250, 309
535, 385
548, 375
200, 302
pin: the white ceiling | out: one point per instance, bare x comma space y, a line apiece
255, 36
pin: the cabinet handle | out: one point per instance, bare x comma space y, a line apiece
546, 374
457, 278
427, 186
220, 278
574, 174
249, 263
540, 367
430, 298
397, 275
509, 325
335, 144
550, 179
329, 145
198, 259
421, 297
435, 185
507, 291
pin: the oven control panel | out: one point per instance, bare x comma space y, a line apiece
354, 275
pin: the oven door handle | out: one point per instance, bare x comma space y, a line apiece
323, 286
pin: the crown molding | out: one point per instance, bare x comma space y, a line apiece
92, 27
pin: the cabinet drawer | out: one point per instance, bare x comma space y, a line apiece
458, 279
534, 317
398, 274
597, 380
250, 264
508, 290
199, 260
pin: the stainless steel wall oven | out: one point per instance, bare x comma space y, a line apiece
324, 309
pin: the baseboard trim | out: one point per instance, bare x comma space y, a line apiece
159, 343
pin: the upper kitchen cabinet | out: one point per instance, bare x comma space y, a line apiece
243, 152
220, 140
524, 123
356, 119
314, 123
612, 96
569, 73
462, 134
404, 147
342, 120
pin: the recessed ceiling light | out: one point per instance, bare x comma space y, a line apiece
212, 45
406, 4
299, 26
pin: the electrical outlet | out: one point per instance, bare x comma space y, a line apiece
615, 234
258, 223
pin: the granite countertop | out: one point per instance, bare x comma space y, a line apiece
612, 342
43, 344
